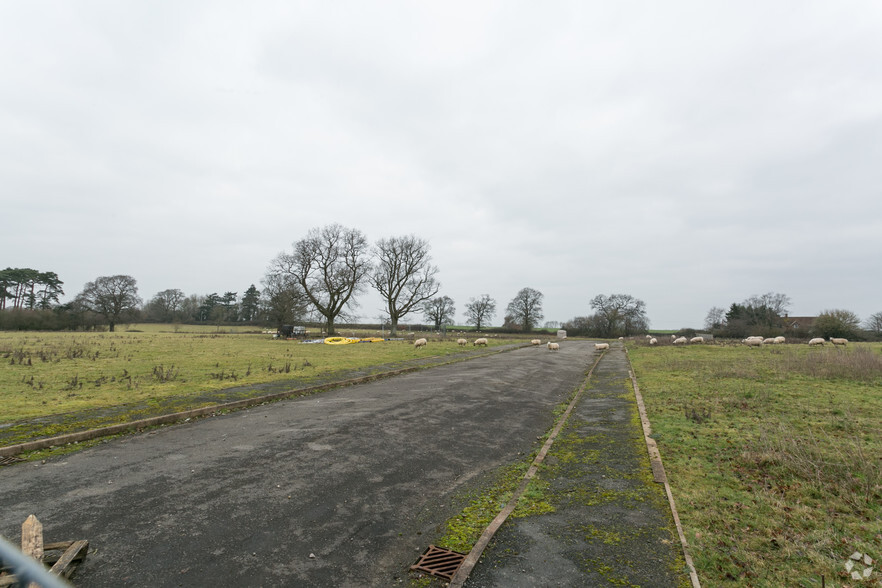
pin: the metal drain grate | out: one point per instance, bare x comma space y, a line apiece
439, 562
9, 460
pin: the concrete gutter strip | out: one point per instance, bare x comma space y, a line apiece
37, 444
471, 560
658, 472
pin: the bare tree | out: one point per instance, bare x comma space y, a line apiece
775, 302
619, 315
481, 311
165, 306
112, 297
715, 318
330, 265
440, 311
873, 324
403, 275
282, 299
525, 309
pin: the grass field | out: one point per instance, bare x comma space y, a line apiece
51, 373
774, 456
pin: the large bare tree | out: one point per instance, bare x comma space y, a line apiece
112, 297
282, 300
873, 324
525, 309
480, 311
619, 315
440, 311
403, 275
165, 306
330, 265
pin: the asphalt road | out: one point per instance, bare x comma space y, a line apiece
344, 488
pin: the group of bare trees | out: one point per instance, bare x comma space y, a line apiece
616, 315
331, 265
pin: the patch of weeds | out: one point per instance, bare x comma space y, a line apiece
165, 374
534, 500
698, 415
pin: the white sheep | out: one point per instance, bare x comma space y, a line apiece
419, 343
601, 346
621, 338
461, 342
696, 340
680, 341
816, 341
536, 342
753, 341
553, 346
482, 342
769, 341
653, 341
839, 341
648, 336
780, 339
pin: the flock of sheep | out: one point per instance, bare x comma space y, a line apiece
482, 342
759, 341
754, 341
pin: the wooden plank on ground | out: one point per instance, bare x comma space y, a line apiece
65, 565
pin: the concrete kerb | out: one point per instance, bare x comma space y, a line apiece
659, 474
88, 435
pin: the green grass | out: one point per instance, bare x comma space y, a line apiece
774, 456
44, 374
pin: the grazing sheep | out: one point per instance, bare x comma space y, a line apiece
553, 346
839, 341
696, 340
653, 341
461, 342
769, 341
780, 339
816, 341
753, 341
648, 336
601, 346
621, 338
536, 342
480, 342
419, 343
680, 341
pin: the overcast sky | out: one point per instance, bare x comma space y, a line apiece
690, 154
